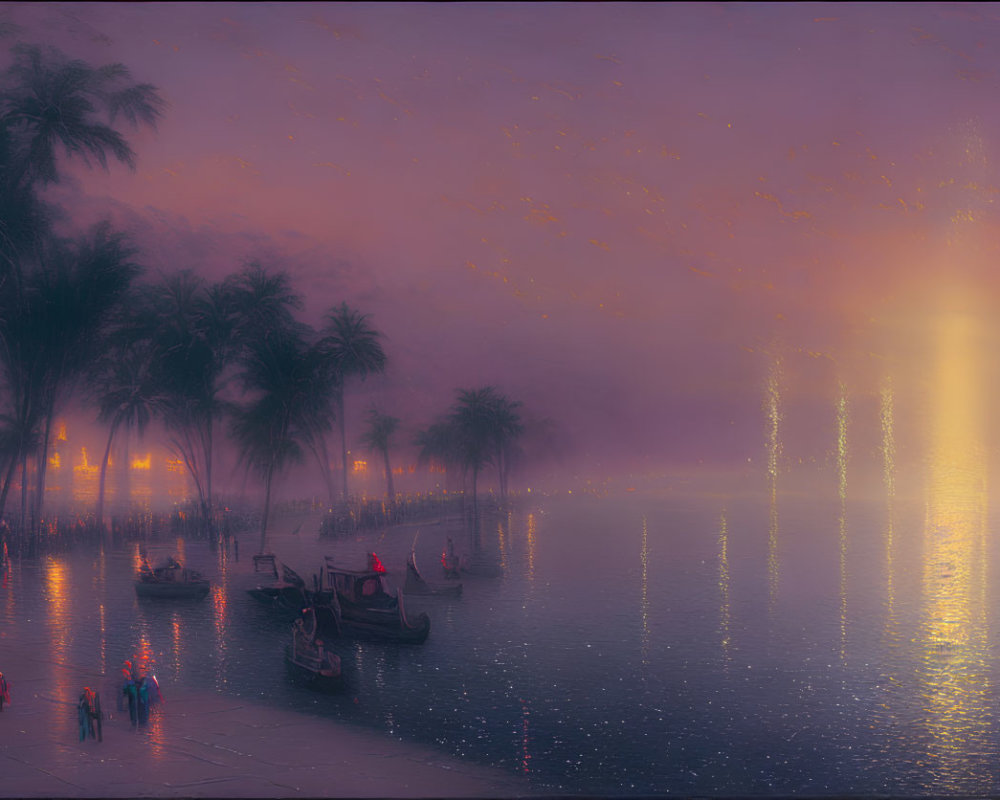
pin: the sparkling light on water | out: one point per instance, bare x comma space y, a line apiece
953, 626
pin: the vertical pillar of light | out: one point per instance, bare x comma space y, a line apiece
644, 596
531, 549
887, 411
501, 538
953, 630
724, 611
63, 680
842, 423
100, 592
525, 741
220, 619
773, 423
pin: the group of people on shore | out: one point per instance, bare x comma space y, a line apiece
140, 693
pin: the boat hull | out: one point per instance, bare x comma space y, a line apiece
320, 680
196, 590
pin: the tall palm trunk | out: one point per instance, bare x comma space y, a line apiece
343, 438
43, 461
388, 474
7, 481
24, 491
267, 508
104, 475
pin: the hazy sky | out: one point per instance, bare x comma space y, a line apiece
619, 213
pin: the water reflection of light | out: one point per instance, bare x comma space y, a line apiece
525, 754
531, 549
220, 618
644, 598
58, 604
842, 419
60, 628
773, 422
953, 626
724, 613
503, 546
175, 629
887, 419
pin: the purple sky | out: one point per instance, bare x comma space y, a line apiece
616, 213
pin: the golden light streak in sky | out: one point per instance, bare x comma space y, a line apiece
953, 631
842, 424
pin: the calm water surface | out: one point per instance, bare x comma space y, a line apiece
633, 644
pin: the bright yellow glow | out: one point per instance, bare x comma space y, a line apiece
953, 630
55, 461
61, 434
360, 466
85, 467
175, 465
142, 463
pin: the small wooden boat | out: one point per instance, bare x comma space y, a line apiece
416, 585
363, 606
307, 659
286, 593
171, 580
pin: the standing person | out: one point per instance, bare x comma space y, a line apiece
131, 692
4, 691
143, 692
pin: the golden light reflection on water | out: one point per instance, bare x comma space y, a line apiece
503, 546
176, 639
54, 571
953, 624
220, 617
842, 421
724, 613
773, 413
644, 597
888, 426
531, 549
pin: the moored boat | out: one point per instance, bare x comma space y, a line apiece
171, 580
416, 585
287, 593
362, 604
308, 660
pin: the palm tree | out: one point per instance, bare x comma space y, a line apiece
377, 437
80, 288
128, 398
352, 348
53, 101
472, 419
284, 376
505, 422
